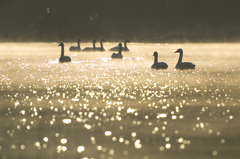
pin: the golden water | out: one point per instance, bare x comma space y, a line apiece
95, 107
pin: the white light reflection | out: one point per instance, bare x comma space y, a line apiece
108, 133
66, 121
168, 146
45, 139
162, 116
130, 110
137, 144
80, 149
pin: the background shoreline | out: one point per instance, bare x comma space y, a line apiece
137, 20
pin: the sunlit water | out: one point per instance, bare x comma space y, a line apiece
100, 108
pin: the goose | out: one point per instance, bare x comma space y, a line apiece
63, 58
75, 48
183, 65
100, 48
119, 54
116, 48
158, 65
90, 48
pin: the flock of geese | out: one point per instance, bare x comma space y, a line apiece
156, 65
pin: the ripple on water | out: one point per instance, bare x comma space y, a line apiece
103, 108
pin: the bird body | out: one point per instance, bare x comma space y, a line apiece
90, 48
63, 58
119, 54
158, 65
75, 48
100, 48
125, 48
183, 65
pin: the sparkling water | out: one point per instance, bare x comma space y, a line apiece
96, 107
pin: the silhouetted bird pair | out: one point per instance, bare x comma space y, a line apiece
125, 48
94, 48
119, 54
180, 64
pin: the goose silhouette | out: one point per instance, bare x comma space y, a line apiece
75, 48
125, 48
119, 54
158, 65
63, 58
183, 65
90, 48
100, 48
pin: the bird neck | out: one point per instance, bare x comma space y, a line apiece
180, 57
62, 51
125, 44
78, 44
120, 50
156, 59
101, 45
94, 44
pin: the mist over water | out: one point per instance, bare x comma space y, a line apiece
96, 107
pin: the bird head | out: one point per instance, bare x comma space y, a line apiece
61, 44
179, 51
155, 53
120, 44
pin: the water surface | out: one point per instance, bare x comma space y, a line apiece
96, 107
